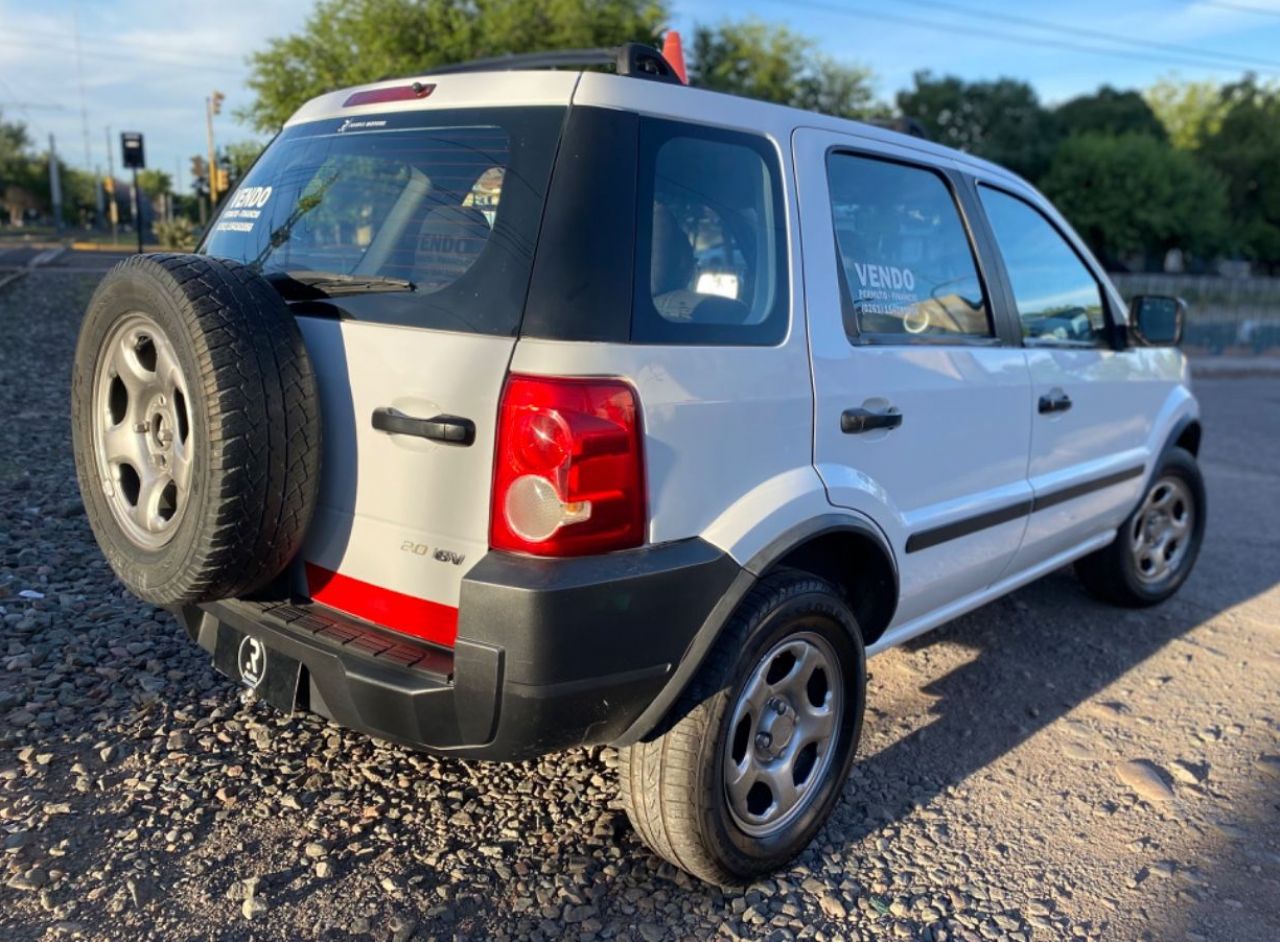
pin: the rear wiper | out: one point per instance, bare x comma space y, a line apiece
332, 284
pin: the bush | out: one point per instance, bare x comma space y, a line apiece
176, 234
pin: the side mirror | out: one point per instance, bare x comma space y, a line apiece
1157, 320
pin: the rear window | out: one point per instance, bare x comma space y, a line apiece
425, 218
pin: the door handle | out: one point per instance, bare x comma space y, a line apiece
449, 429
859, 420
1054, 402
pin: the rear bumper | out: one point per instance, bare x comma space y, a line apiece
550, 654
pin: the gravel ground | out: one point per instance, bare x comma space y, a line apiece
1045, 768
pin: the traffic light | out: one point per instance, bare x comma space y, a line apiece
224, 180
215, 102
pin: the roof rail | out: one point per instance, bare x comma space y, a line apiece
634, 59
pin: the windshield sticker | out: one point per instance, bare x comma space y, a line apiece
244, 209
353, 125
884, 289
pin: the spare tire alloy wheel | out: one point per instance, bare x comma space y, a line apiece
196, 426
142, 431
784, 727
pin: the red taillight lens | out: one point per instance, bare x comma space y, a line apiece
569, 472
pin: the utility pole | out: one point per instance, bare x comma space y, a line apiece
55, 185
84, 108
113, 210
212, 106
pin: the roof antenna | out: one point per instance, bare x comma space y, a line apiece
673, 52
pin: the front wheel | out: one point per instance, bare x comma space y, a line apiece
1157, 545
762, 742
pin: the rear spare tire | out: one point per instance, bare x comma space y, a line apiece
196, 427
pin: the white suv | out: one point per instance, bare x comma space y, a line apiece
647, 413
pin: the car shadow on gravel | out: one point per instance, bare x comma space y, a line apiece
1037, 655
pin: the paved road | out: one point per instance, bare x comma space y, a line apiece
52, 258
996, 795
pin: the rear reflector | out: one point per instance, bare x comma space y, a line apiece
375, 96
406, 614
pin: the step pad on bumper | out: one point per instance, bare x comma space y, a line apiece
341, 630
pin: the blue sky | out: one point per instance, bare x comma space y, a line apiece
148, 66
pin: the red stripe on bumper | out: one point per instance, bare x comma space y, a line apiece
407, 614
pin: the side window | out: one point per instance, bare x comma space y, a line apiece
1058, 298
711, 261
907, 265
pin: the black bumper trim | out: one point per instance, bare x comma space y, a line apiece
550, 654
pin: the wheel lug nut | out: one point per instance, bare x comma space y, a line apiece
763, 740
779, 707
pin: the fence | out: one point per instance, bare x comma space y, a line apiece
1240, 315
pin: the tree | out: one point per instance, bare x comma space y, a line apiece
14, 146
18, 182
1189, 111
772, 63
154, 182
346, 42
241, 156
1132, 194
1109, 111
1245, 149
1001, 120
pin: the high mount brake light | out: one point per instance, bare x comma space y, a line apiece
376, 96
569, 470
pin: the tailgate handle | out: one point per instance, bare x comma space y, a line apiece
449, 429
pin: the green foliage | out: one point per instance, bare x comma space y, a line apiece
154, 182
241, 155
1189, 111
772, 63
1000, 120
346, 42
1133, 194
1245, 149
1109, 111
179, 234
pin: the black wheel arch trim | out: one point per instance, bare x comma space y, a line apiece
652, 719
1179, 428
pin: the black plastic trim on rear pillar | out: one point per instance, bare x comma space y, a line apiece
582, 274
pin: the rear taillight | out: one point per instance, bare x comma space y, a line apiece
568, 472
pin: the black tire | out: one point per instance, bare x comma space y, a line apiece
673, 787
251, 417
1112, 573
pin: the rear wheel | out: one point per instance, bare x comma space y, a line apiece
1157, 545
762, 742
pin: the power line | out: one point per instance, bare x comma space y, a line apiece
865, 14
31, 106
1240, 7
1046, 25
172, 63
118, 41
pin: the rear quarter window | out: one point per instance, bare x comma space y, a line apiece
711, 261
